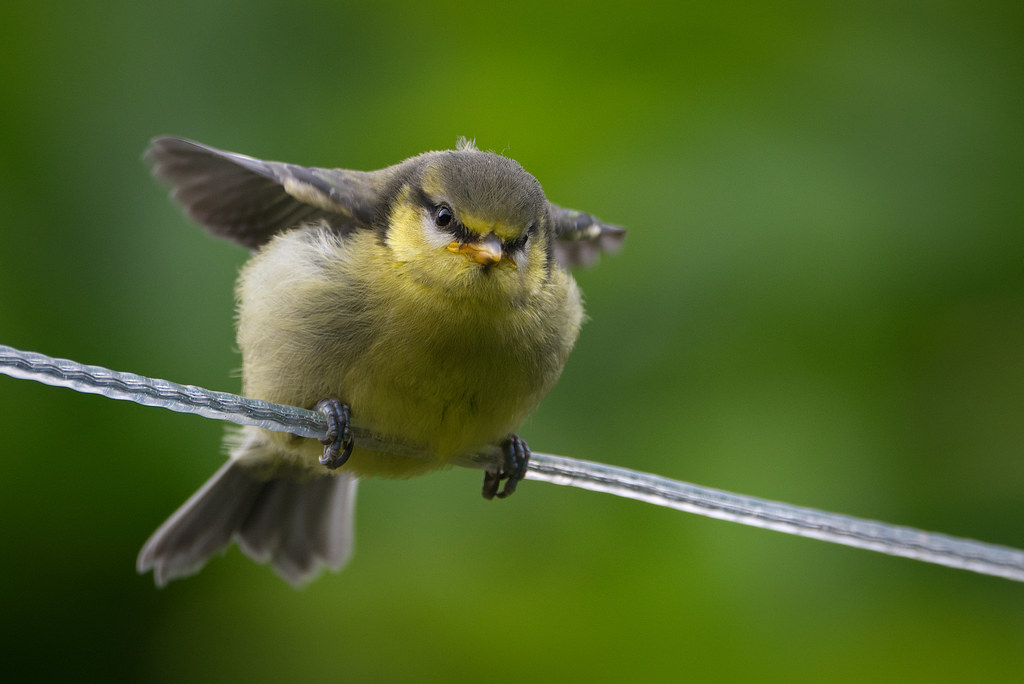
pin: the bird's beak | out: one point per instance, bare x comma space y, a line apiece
485, 251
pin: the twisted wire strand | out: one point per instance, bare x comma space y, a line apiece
895, 540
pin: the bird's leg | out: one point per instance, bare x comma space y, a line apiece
338, 440
512, 470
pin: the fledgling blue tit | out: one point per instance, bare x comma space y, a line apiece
428, 301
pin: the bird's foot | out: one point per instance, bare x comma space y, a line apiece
512, 470
338, 440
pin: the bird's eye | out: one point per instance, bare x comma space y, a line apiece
443, 216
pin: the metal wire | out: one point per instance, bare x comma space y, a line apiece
896, 540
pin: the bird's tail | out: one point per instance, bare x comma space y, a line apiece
299, 525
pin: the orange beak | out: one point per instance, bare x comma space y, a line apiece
485, 251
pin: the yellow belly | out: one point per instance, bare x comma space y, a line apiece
451, 374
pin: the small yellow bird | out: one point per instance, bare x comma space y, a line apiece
427, 300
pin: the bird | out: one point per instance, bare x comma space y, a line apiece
430, 302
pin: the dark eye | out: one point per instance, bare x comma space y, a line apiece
443, 216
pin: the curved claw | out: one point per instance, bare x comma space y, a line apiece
338, 441
517, 457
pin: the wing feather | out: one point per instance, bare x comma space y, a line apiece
580, 238
248, 200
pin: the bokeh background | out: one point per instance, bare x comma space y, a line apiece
821, 300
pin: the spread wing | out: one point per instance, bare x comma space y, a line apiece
248, 201
580, 238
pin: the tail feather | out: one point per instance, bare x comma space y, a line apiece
297, 525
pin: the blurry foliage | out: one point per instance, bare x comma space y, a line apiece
821, 300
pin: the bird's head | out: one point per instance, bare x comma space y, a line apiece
471, 222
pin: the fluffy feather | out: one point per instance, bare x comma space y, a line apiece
423, 295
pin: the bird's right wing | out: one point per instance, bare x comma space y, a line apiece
248, 201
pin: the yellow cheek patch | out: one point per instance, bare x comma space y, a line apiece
405, 237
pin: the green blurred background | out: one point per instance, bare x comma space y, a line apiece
821, 300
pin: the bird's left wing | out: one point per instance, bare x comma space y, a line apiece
248, 201
580, 238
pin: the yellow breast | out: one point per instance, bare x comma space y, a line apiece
324, 317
